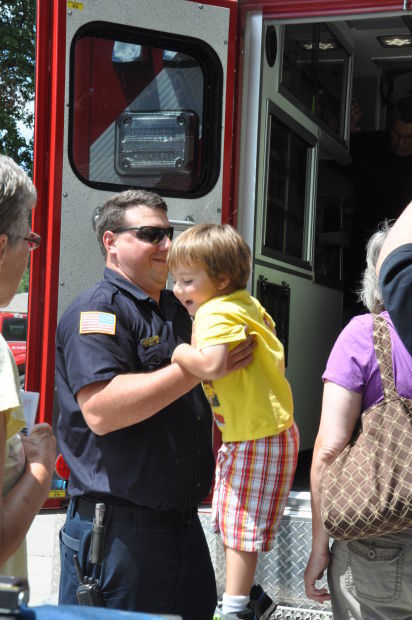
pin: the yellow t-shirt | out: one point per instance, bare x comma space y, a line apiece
11, 408
255, 401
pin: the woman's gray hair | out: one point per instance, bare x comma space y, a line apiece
17, 197
370, 292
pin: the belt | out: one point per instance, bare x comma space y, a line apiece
132, 513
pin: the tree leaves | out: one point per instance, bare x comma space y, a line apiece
17, 74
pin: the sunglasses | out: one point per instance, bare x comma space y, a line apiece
150, 234
33, 239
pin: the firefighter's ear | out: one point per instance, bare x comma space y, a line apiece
3, 247
109, 239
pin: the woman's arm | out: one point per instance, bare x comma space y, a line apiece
209, 363
21, 504
341, 409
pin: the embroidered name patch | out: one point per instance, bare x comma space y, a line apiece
97, 323
150, 342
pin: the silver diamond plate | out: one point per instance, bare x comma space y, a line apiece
280, 571
289, 613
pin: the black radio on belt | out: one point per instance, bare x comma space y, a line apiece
89, 592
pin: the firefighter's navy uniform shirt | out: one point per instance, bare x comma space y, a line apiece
164, 462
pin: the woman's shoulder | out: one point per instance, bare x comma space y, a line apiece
359, 327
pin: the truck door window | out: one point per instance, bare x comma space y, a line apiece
286, 194
15, 329
140, 105
314, 73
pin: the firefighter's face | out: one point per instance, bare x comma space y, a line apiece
139, 261
193, 287
401, 138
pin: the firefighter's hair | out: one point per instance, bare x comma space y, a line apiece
218, 249
111, 215
17, 198
370, 293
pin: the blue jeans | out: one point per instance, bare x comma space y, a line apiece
371, 579
155, 568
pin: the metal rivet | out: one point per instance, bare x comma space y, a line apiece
65, 194
69, 13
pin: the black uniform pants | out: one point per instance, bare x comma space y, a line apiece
154, 562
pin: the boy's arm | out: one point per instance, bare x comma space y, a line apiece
209, 363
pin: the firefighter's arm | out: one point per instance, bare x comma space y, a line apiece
400, 234
208, 363
21, 504
340, 412
131, 398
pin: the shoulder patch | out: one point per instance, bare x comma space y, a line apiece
97, 323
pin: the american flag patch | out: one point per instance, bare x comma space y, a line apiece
97, 323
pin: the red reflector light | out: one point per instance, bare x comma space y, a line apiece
62, 468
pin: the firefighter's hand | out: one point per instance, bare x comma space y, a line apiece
318, 563
40, 452
242, 355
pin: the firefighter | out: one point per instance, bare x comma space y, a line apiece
134, 429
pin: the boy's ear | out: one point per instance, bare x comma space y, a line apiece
223, 283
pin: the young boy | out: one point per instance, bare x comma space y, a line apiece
253, 407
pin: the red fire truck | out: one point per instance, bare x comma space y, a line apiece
13, 327
235, 111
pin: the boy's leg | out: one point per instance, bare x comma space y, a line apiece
240, 571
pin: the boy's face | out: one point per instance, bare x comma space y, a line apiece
192, 286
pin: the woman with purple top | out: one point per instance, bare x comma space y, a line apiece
368, 578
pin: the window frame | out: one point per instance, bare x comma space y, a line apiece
210, 64
312, 144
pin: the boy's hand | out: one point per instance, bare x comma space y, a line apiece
179, 352
242, 355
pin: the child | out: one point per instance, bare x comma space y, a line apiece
253, 407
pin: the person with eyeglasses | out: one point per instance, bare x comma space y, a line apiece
134, 429
26, 463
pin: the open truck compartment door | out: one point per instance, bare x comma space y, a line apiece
129, 95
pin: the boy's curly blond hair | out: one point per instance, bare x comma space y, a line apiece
216, 248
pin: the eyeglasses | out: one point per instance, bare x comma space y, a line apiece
33, 239
151, 234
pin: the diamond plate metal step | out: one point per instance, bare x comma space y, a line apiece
280, 571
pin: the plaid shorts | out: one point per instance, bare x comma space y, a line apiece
253, 481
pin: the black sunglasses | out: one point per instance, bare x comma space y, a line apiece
151, 234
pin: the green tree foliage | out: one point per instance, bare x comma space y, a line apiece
17, 53
24, 284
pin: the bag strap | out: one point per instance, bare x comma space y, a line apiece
383, 351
